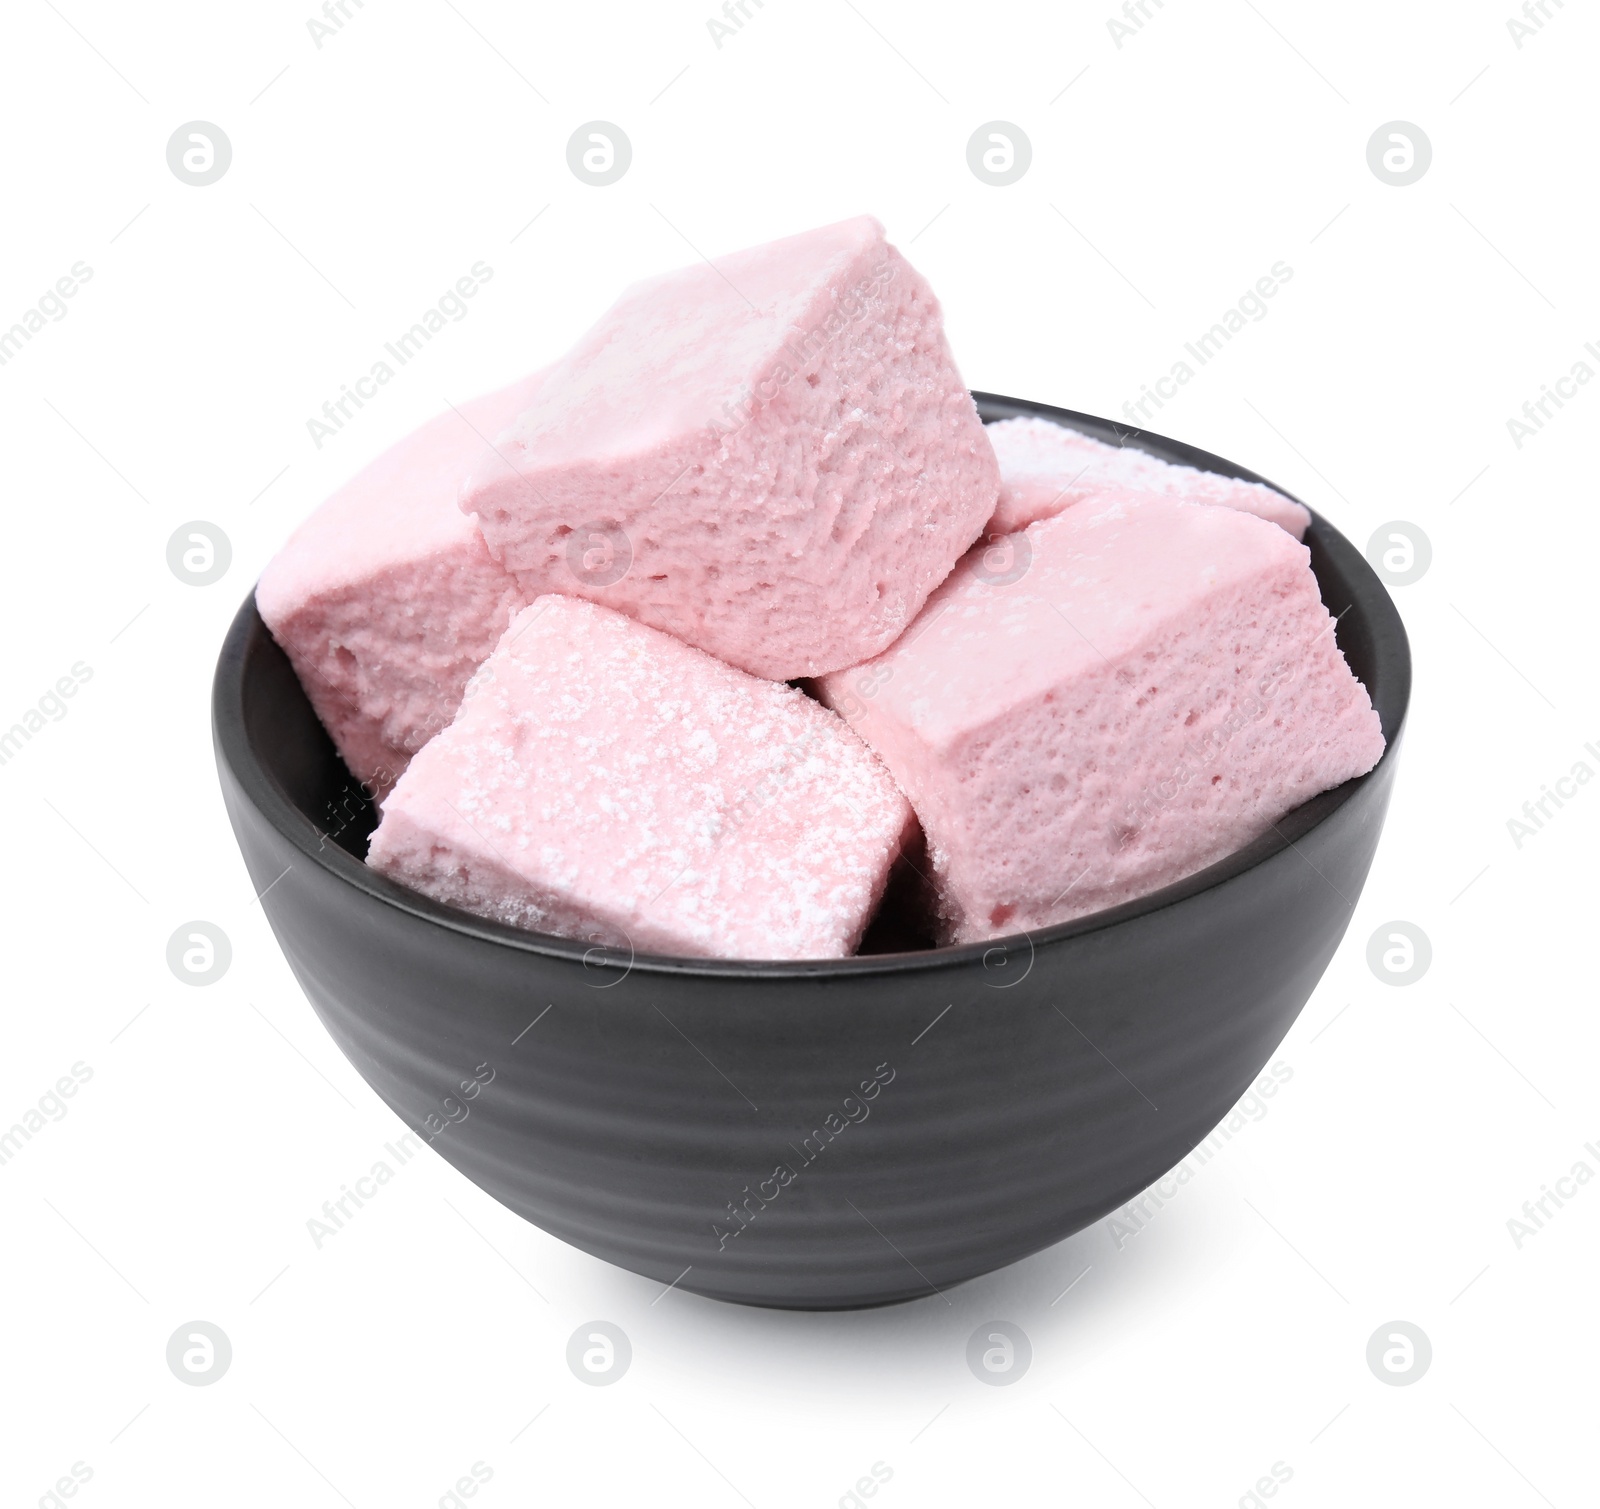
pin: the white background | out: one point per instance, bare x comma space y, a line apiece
1167, 175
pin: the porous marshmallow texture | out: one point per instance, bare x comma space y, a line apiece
1046, 468
771, 456
386, 598
1146, 688
607, 782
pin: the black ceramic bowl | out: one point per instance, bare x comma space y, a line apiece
809, 1135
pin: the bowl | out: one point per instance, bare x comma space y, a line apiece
824, 1134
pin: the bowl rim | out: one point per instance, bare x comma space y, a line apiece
261, 788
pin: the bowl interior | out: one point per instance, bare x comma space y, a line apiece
283, 758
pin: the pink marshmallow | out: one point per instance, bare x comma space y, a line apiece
604, 781
386, 599
771, 456
1145, 688
1046, 468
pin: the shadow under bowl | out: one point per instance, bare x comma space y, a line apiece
811, 1135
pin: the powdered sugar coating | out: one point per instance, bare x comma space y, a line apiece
1157, 688
604, 781
386, 598
1046, 468
777, 446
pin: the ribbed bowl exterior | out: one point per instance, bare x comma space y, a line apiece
813, 1136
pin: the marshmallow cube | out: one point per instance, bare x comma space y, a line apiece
1046, 468
1147, 688
386, 599
771, 456
607, 782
